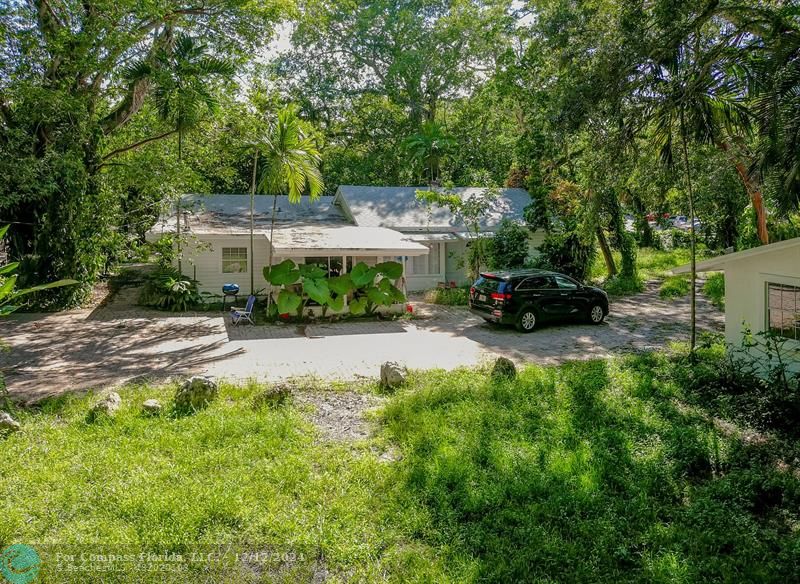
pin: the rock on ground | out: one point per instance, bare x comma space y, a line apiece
108, 405
504, 369
152, 407
196, 393
393, 375
8, 424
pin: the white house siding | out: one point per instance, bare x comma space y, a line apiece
745, 291
202, 259
455, 271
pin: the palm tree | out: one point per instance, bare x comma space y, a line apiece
290, 165
691, 97
181, 75
428, 149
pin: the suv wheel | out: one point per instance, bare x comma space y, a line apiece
526, 320
596, 314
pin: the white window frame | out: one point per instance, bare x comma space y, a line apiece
237, 260
768, 309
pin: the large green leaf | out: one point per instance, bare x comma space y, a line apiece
24, 291
312, 271
317, 290
378, 296
341, 284
282, 274
288, 302
3, 230
9, 268
7, 286
358, 306
336, 303
362, 274
393, 291
391, 270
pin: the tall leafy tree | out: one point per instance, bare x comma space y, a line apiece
66, 101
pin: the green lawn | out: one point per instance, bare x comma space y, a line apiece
602, 471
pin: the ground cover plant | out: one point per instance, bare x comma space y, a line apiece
448, 296
625, 470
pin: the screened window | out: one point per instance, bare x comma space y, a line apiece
428, 264
333, 265
783, 310
234, 260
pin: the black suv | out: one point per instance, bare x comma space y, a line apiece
525, 298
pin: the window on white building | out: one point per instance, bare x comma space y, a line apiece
783, 310
426, 264
234, 260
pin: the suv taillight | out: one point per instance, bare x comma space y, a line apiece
500, 296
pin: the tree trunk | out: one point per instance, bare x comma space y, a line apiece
611, 267
692, 239
252, 205
753, 191
269, 258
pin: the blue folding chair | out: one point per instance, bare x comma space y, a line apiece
243, 314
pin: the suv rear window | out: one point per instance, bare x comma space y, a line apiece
490, 284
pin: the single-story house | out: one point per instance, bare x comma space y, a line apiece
435, 227
762, 291
369, 224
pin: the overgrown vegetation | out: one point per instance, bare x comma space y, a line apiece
674, 287
448, 296
639, 469
714, 288
167, 289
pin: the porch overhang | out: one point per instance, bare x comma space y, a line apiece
315, 240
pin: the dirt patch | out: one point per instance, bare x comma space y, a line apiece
339, 416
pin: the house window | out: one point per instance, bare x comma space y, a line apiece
783, 310
426, 264
332, 265
234, 260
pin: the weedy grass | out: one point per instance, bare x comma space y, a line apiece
652, 264
598, 471
674, 287
714, 288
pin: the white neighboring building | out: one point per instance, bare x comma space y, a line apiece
762, 291
370, 224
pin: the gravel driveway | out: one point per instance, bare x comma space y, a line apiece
85, 349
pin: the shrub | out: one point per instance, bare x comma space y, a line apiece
167, 289
509, 247
674, 287
567, 253
448, 296
714, 288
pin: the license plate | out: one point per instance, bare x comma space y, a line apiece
481, 297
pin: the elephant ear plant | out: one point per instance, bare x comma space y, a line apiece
302, 284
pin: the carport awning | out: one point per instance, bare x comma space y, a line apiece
343, 240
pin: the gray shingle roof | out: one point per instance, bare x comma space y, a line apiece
398, 208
